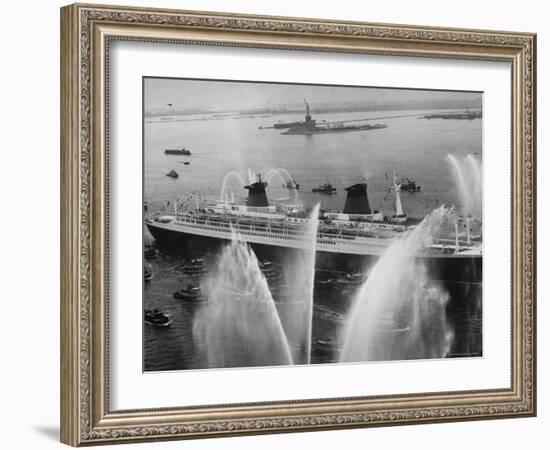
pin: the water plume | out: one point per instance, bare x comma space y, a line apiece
285, 174
468, 178
296, 308
283, 184
276, 185
239, 325
232, 182
399, 313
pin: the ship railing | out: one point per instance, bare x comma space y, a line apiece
236, 221
461, 243
277, 232
242, 228
450, 246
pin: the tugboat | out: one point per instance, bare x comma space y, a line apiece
148, 272
192, 293
325, 188
291, 185
151, 252
324, 281
195, 267
409, 185
351, 279
157, 318
182, 151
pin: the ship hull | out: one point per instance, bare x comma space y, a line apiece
465, 269
177, 152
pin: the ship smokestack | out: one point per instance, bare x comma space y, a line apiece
357, 201
256, 193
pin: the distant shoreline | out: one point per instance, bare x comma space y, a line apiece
300, 110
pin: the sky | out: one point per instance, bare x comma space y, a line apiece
230, 95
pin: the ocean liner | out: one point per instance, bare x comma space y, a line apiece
346, 240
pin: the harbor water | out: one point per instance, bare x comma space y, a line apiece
409, 146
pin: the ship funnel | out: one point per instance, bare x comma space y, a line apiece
357, 201
256, 193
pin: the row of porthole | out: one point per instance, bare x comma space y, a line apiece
263, 235
208, 225
284, 237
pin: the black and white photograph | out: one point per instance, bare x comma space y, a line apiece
296, 224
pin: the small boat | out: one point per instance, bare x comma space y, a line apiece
351, 279
291, 185
270, 273
148, 272
324, 282
157, 318
185, 163
194, 267
176, 151
150, 252
192, 293
172, 174
409, 185
145, 205
325, 188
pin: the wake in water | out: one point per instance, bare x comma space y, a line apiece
399, 313
240, 326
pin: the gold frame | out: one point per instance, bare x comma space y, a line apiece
86, 31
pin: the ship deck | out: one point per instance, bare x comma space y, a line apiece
282, 234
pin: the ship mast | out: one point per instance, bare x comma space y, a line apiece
468, 220
457, 245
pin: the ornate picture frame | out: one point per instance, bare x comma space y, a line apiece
86, 34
